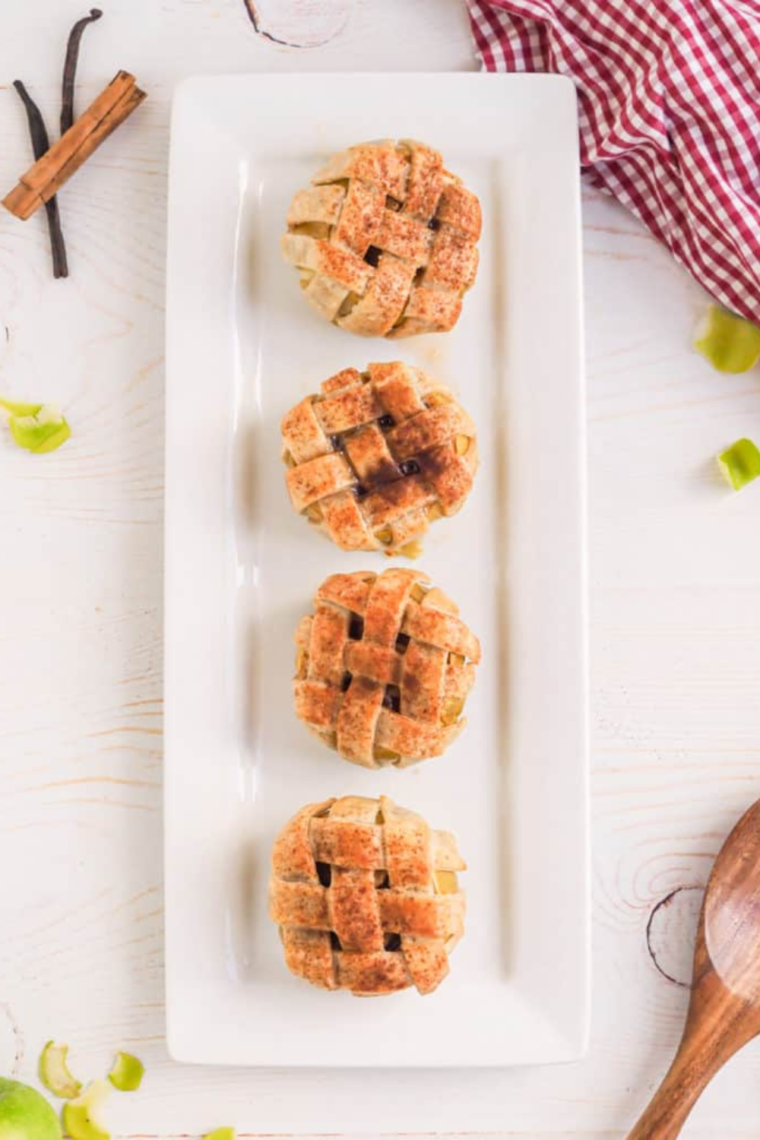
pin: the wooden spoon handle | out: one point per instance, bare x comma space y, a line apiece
685, 1080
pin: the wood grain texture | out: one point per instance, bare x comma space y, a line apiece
299, 23
724, 1004
675, 622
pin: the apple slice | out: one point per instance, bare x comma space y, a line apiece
81, 1116
54, 1071
126, 1072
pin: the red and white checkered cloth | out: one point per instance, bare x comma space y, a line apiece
669, 110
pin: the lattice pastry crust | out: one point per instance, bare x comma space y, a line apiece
366, 897
377, 455
384, 666
385, 240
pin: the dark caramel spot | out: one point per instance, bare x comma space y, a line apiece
384, 471
434, 462
392, 942
345, 682
410, 467
386, 422
393, 494
372, 256
324, 871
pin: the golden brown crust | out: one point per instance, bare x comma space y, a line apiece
377, 455
384, 667
357, 892
403, 232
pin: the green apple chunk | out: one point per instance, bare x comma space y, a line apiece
54, 1072
740, 463
43, 431
18, 409
730, 343
221, 1134
81, 1116
126, 1073
25, 1114
36, 427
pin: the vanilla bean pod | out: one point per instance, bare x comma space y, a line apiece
70, 67
40, 146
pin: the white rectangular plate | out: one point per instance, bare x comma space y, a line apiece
241, 568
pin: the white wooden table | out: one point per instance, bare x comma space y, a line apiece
675, 617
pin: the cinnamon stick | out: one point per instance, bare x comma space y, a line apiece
43, 180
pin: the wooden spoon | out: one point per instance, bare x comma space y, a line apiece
724, 1010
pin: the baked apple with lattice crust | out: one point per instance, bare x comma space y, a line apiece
384, 666
366, 897
376, 456
385, 240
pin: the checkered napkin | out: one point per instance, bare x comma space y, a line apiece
669, 111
